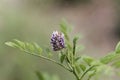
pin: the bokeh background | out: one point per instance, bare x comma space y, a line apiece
34, 20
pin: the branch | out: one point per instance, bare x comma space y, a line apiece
43, 57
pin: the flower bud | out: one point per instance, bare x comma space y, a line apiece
57, 41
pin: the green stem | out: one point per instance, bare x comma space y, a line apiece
70, 65
86, 72
67, 61
76, 75
49, 60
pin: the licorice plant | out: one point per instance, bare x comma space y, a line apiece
82, 67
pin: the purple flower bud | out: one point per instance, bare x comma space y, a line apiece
57, 41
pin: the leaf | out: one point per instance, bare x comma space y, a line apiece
77, 67
38, 48
14, 44
11, 44
39, 75
109, 58
20, 44
78, 58
92, 73
88, 60
47, 50
74, 44
79, 48
62, 57
117, 49
83, 67
63, 28
31, 48
116, 64
49, 54
75, 39
69, 47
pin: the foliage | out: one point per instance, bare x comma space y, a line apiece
83, 67
45, 76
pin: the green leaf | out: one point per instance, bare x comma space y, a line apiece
69, 47
63, 28
75, 39
78, 58
77, 67
38, 48
117, 49
74, 44
109, 58
39, 75
16, 44
92, 73
49, 54
116, 64
83, 67
79, 48
20, 44
47, 50
88, 60
30, 47
62, 57
25, 46
11, 44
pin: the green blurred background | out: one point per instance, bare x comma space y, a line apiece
34, 20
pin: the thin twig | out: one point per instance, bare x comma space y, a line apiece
74, 72
86, 71
43, 57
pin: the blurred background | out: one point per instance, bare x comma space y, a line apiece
34, 20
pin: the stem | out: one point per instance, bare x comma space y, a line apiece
86, 72
49, 60
67, 61
70, 65
76, 75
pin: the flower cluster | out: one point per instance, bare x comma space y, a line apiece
57, 41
